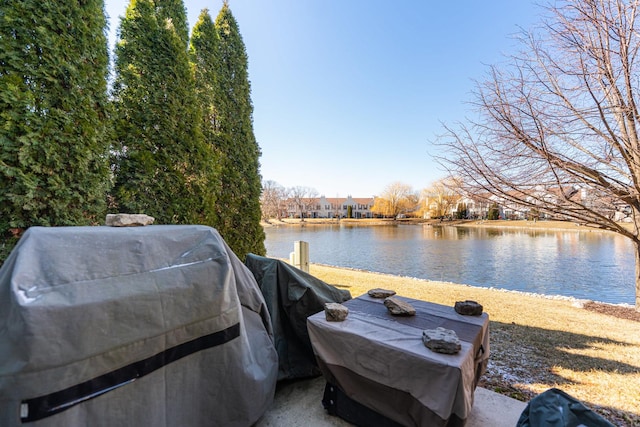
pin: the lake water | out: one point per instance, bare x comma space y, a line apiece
585, 265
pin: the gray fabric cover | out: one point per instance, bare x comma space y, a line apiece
77, 303
555, 408
380, 361
291, 296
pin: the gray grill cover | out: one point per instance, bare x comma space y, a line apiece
155, 326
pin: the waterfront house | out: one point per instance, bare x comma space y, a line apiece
329, 207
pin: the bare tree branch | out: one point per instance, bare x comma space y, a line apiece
557, 129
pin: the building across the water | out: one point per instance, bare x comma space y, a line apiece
328, 207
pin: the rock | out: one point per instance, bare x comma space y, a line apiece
381, 293
398, 307
441, 340
335, 312
468, 308
128, 220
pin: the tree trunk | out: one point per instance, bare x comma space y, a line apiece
637, 276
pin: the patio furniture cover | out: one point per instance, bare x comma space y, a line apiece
144, 326
379, 360
291, 296
555, 408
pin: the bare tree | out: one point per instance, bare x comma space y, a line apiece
336, 207
304, 199
397, 198
312, 201
561, 118
272, 199
442, 196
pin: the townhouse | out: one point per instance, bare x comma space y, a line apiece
479, 206
328, 207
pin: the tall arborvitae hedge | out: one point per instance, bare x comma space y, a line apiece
203, 54
53, 114
160, 158
238, 203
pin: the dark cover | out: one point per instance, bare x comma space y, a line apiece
555, 408
337, 403
291, 296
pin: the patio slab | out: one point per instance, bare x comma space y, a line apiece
299, 403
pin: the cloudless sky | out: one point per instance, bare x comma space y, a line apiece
349, 95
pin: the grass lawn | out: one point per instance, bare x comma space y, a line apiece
588, 350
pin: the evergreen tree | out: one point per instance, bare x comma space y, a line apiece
238, 204
53, 108
204, 55
160, 160
494, 212
461, 211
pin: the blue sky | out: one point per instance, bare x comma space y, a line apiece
348, 95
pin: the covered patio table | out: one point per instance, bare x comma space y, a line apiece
379, 361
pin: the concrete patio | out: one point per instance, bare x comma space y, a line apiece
299, 403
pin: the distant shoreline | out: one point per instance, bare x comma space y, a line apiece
518, 224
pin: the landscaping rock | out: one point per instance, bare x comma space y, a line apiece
468, 308
398, 307
128, 220
335, 312
441, 340
380, 293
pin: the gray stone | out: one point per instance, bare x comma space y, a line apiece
441, 340
381, 293
397, 307
335, 312
468, 308
128, 220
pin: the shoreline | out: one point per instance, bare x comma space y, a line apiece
541, 225
576, 302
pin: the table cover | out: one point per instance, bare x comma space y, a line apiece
380, 361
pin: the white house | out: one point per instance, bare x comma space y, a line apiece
329, 207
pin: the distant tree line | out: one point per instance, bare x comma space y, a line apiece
274, 199
396, 199
173, 137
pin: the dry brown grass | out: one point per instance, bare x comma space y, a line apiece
536, 342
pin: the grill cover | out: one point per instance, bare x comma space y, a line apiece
155, 326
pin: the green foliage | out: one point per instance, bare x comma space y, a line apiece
461, 211
173, 16
494, 212
349, 211
161, 161
6, 246
238, 202
203, 53
53, 109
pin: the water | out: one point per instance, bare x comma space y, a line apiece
585, 265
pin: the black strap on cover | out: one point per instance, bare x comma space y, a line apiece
53, 403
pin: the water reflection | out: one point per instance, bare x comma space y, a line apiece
596, 266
